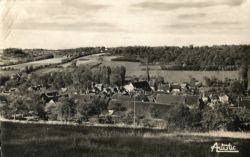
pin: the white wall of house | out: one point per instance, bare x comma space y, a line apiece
129, 87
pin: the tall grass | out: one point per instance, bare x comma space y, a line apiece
43, 140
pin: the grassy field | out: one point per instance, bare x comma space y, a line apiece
42, 140
136, 69
37, 63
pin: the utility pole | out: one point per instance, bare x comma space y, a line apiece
134, 111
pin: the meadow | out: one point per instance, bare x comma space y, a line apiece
43, 140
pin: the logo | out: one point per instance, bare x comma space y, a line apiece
224, 148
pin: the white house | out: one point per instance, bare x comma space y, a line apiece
129, 87
224, 99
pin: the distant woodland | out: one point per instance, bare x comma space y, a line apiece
225, 57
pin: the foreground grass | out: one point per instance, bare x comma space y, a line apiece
42, 140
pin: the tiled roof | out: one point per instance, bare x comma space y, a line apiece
142, 85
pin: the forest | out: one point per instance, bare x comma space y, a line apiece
225, 57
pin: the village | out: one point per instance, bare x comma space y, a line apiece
144, 103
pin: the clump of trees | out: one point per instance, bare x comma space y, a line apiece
14, 52
180, 117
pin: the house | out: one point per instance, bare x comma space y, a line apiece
205, 99
52, 95
214, 98
164, 88
176, 88
223, 98
169, 99
141, 85
198, 84
184, 86
129, 87
64, 90
99, 86
35, 88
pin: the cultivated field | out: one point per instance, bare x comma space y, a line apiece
43, 140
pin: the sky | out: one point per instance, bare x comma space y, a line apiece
58, 24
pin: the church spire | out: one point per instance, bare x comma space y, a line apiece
147, 71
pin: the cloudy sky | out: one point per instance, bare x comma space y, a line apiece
74, 23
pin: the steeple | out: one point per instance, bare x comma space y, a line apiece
147, 71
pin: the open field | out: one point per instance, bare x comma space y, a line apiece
41, 140
37, 63
136, 69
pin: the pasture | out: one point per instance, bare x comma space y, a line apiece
43, 140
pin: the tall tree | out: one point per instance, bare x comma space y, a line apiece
123, 74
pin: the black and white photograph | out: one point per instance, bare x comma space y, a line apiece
124, 78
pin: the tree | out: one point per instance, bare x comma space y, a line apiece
4, 79
82, 112
37, 106
207, 81
123, 74
115, 77
223, 117
67, 109
52, 110
73, 64
18, 106
243, 74
236, 87
179, 117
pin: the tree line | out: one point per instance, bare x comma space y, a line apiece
190, 57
